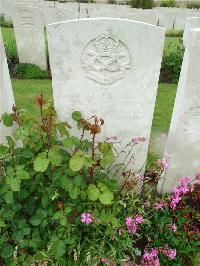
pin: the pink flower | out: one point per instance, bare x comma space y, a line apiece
113, 238
132, 228
174, 227
138, 140
129, 221
150, 258
171, 253
120, 231
86, 218
139, 219
105, 260
164, 164
159, 205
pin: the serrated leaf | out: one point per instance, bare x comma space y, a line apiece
2, 224
93, 192
7, 120
7, 251
78, 180
106, 197
74, 193
35, 220
62, 127
14, 183
107, 159
3, 151
68, 142
54, 156
8, 197
66, 183
76, 163
77, 116
22, 174
41, 164
58, 248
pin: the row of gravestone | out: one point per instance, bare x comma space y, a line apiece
29, 27
168, 18
110, 68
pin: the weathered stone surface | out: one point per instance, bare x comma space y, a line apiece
29, 33
143, 17
183, 144
109, 68
105, 14
166, 17
6, 94
57, 14
191, 23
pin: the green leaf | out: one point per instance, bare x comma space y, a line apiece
54, 156
58, 248
41, 164
3, 151
14, 183
7, 251
2, 224
78, 180
10, 141
68, 142
74, 193
104, 147
93, 192
8, 197
106, 197
22, 174
35, 220
7, 120
62, 128
107, 159
76, 163
77, 116
66, 183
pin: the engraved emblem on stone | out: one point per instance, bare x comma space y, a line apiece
105, 60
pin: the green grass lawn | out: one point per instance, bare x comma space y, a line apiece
26, 90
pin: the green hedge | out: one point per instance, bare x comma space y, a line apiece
28, 71
145, 4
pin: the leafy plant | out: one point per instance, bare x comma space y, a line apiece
193, 5
28, 71
171, 62
67, 200
5, 23
174, 33
168, 3
144, 4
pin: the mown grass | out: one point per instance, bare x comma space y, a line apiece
26, 90
10, 43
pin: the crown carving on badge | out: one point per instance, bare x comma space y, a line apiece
106, 43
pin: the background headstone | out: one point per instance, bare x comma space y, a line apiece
183, 144
191, 23
6, 94
30, 38
109, 68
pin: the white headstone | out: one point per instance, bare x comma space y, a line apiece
191, 23
143, 17
183, 144
53, 15
6, 94
30, 38
109, 68
166, 17
105, 14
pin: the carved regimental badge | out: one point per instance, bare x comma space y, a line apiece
105, 60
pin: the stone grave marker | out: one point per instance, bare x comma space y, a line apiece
183, 143
109, 68
191, 23
29, 33
6, 93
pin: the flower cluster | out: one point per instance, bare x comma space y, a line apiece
138, 140
151, 258
159, 205
164, 164
184, 188
133, 222
86, 218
